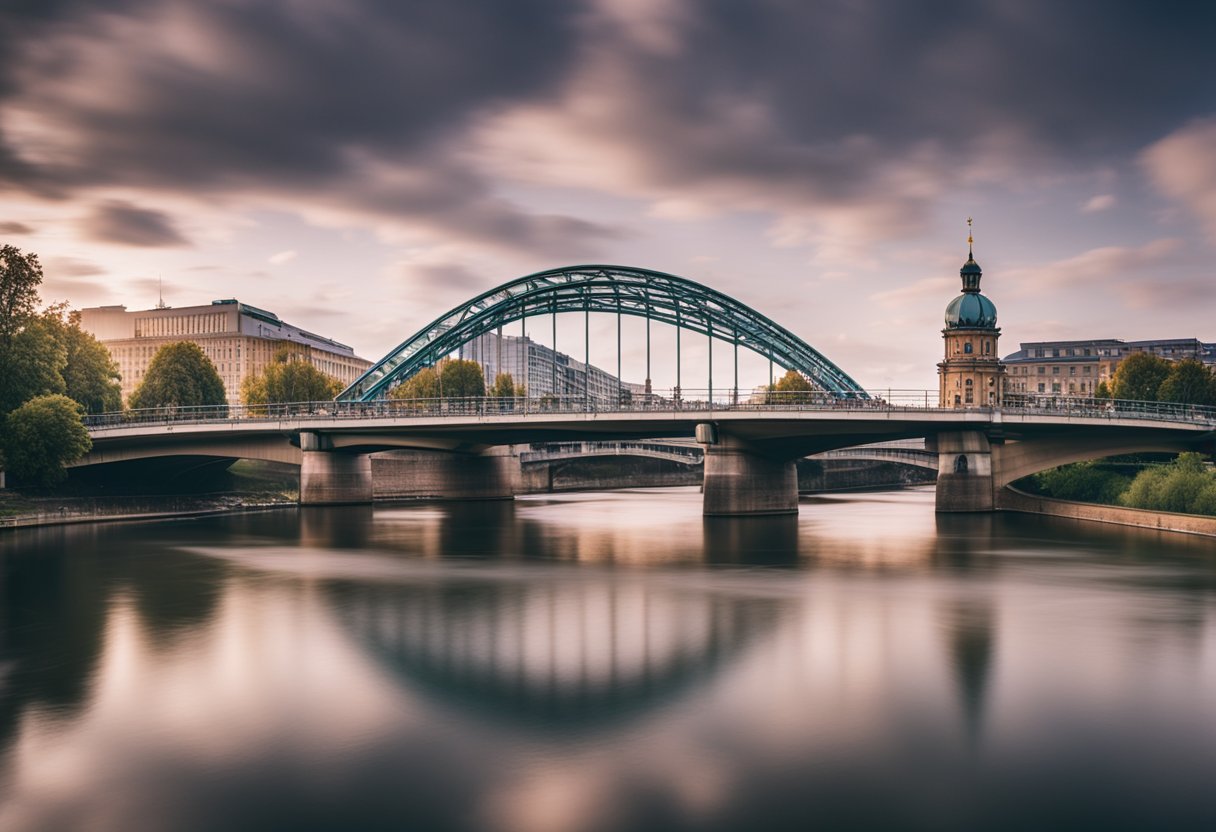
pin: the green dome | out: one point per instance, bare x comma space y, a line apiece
971, 309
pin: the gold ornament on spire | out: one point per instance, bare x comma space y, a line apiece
969, 240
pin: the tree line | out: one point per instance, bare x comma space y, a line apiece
1186, 485
1144, 377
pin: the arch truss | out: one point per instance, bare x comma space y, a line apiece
619, 290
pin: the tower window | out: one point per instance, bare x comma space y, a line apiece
967, 347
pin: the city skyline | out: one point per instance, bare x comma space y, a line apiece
363, 167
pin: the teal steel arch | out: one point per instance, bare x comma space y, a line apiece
614, 289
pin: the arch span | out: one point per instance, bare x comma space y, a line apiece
614, 289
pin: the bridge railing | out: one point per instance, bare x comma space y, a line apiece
672, 401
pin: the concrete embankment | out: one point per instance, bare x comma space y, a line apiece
88, 511
1011, 499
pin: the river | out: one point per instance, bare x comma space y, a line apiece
607, 661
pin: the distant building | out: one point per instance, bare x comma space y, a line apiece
971, 374
238, 338
1078, 367
543, 371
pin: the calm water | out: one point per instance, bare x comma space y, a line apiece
607, 661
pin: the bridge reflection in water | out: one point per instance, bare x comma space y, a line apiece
568, 654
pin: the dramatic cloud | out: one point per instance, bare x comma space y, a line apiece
15, 228
1183, 167
124, 223
58, 267
800, 148
350, 105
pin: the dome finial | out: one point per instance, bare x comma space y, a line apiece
970, 242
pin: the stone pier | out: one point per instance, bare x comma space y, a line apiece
741, 481
329, 478
965, 479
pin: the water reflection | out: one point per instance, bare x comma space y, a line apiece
555, 653
606, 661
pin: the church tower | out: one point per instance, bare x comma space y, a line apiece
971, 374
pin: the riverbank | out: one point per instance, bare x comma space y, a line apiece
1011, 499
19, 512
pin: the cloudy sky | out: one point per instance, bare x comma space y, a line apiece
361, 166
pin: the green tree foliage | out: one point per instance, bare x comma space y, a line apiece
461, 379
452, 379
179, 375
289, 377
505, 387
1139, 377
20, 277
791, 388
1102, 391
90, 376
1087, 482
31, 357
41, 436
1188, 382
32, 365
1186, 485
424, 384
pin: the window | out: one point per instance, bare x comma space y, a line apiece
960, 464
1072, 371
1041, 389
1087, 370
1042, 370
967, 347
1055, 371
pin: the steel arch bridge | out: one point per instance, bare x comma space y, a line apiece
622, 290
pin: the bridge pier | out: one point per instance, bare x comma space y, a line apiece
492, 474
965, 480
330, 478
741, 481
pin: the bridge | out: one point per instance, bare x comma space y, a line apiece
462, 446
749, 449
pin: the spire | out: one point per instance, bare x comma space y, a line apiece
970, 272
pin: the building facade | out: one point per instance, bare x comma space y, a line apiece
239, 339
971, 375
543, 371
1076, 368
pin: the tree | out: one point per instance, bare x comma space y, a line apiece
41, 436
289, 377
179, 375
1102, 391
31, 359
424, 384
1188, 382
90, 376
32, 364
1185, 485
1139, 376
461, 379
20, 276
505, 387
791, 388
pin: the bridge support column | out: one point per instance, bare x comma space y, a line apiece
741, 481
441, 475
330, 478
965, 480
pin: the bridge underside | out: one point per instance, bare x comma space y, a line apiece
748, 465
